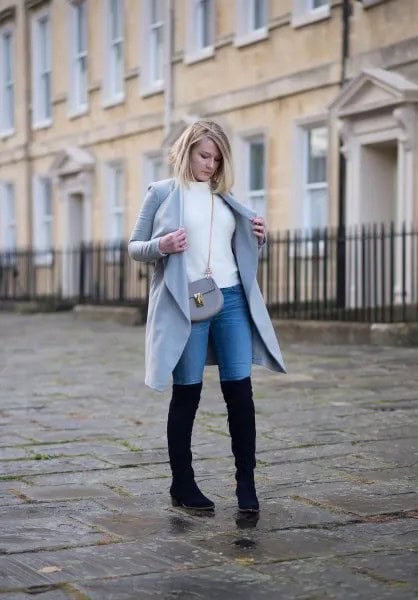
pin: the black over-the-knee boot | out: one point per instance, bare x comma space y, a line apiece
241, 420
181, 414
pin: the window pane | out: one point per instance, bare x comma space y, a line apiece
44, 44
46, 95
204, 24
259, 14
9, 107
116, 186
256, 165
81, 81
317, 155
115, 19
317, 209
258, 203
47, 193
156, 11
116, 68
318, 3
10, 202
118, 226
8, 58
81, 28
157, 54
9, 217
156, 169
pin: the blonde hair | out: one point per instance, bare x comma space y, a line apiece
179, 156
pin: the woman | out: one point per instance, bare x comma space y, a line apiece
174, 230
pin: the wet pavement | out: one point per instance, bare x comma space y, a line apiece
84, 505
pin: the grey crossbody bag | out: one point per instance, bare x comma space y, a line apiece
205, 298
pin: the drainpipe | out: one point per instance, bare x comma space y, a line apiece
345, 52
168, 76
27, 71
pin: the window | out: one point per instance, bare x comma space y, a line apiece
7, 218
315, 188
256, 175
252, 21
42, 220
200, 30
153, 169
153, 46
308, 11
78, 58
6, 82
115, 217
114, 66
41, 52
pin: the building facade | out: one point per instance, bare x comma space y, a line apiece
93, 92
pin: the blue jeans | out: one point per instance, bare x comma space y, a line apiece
230, 335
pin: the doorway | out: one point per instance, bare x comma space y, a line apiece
379, 183
74, 236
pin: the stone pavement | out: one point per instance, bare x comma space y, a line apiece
84, 476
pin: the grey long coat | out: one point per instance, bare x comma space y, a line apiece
168, 322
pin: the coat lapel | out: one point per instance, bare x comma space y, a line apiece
175, 275
245, 243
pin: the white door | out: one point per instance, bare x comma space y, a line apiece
373, 252
74, 235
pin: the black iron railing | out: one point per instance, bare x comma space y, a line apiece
367, 273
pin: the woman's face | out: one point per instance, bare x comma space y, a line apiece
205, 159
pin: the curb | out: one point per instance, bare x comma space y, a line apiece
30, 307
348, 333
124, 315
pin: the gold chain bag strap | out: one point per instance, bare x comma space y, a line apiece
205, 298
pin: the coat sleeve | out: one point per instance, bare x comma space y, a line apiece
140, 246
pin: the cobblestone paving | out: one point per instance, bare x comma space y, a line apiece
84, 511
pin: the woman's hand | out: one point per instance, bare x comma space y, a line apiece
259, 229
175, 241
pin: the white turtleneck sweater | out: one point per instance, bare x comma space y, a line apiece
196, 220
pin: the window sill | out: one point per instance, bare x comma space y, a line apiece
78, 112
313, 16
370, 3
113, 101
251, 37
41, 124
152, 90
199, 55
6, 133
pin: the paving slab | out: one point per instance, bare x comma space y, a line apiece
84, 476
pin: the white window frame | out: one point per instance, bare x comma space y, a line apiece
254, 196
304, 13
300, 219
246, 33
112, 207
40, 73
149, 84
242, 188
195, 50
8, 223
7, 86
113, 83
43, 221
148, 162
77, 106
